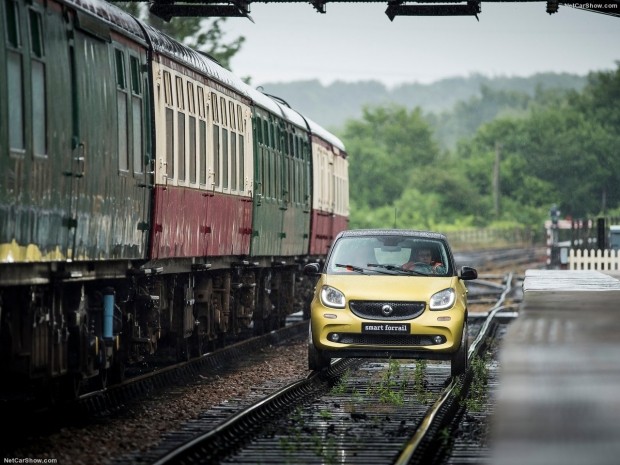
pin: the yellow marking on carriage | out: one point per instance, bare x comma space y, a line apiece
15, 253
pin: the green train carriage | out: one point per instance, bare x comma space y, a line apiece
74, 165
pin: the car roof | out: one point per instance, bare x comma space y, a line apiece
392, 232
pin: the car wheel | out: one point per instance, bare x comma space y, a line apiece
316, 359
458, 363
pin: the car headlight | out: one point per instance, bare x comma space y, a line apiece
332, 297
443, 299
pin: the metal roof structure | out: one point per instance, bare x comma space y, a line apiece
167, 9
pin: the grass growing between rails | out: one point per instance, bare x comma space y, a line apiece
474, 402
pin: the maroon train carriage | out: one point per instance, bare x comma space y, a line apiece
330, 199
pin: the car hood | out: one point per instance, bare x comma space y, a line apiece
383, 287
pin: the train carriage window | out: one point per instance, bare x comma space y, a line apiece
146, 111
277, 176
190, 98
266, 180
167, 88
231, 114
181, 145
224, 119
276, 137
225, 156
286, 194
121, 108
233, 161
180, 93
201, 102
123, 152
291, 181
214, 109
240, 127
16, 102
120, 69
36, 38
216, 155
291, 151
303, 172
266, 134
39, 97
241, 162
180, 139
169, 143
297, 181
136, 83
136, 112
259, 130
13, 32
192, 149
202, 137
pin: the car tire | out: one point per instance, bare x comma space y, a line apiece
316, 359
458, 362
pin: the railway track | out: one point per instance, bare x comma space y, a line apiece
178, 374
366, 412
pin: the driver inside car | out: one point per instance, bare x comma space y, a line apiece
423, 261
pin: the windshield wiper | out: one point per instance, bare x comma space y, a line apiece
357, 269
396, 268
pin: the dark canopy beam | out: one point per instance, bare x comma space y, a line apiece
435, 9
167, 9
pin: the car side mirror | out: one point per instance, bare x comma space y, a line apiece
312, 269
467, 273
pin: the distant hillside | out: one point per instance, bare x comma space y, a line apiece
332, 105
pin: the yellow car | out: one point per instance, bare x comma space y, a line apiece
389, 294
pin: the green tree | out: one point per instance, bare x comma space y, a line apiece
386, 147
566, 154
467, 116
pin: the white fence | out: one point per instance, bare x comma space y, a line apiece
594, 259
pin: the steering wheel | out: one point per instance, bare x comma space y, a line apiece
421, 266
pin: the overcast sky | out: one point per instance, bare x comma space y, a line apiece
352, 42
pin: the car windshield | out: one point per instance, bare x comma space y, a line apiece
395, 255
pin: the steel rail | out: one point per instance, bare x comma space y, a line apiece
413, 451
219, 441
117, 396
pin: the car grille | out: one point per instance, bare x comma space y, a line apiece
386, 339
371, 310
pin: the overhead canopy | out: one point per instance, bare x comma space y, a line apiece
167, 9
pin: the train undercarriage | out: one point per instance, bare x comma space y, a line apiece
85, 329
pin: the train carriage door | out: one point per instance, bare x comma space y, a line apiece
267, 216
141, 154
74, 164
106, 172
281, 185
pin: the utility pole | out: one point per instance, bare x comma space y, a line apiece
496, 179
